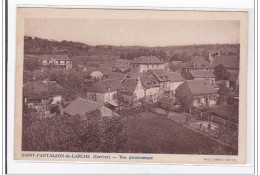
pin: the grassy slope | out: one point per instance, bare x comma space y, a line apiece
150, 133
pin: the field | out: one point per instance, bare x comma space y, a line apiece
151, 133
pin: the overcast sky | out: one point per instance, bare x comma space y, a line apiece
134, 32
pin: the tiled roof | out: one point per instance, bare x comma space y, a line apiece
228, 61
134, 75
162, 75
147, 60
129, 85
81, 106
149, 81
105, 71
122, 61
53, 88
57, 57
122, 65
176, 62
197, 62
175, 77
202, 74
41, 89
233, 76
117, 75
62, 57
107, 85
200, 87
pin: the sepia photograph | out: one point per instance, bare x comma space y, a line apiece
132, 85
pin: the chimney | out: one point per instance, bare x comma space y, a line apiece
46, 80
211, 57
61, 109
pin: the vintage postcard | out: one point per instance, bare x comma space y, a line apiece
131, 86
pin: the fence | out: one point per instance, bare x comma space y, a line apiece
130, 111
212, 118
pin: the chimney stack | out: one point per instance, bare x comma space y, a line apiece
211, 57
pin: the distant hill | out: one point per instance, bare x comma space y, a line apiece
102, 52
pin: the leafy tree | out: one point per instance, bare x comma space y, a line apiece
55, 109
93, 133
31, 64
27, 76
224, 93
221, 73
162, 54
76, 79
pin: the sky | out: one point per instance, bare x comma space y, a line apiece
130, 32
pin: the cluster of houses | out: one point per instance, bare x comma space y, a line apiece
54, 61
144, 79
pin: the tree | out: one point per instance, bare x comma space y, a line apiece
162, 54
31, 64
224, 93
72, 133
221, 73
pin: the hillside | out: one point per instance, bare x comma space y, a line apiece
106, 52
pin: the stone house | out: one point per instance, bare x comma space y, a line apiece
175, 80
41, 95
168, 81
94, 73
132, 90
104, 91
60, 61
203, 75
151, 88
230, 62
197, 63
162, 79
197, 93
144, 63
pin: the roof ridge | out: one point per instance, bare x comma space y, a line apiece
89, 100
